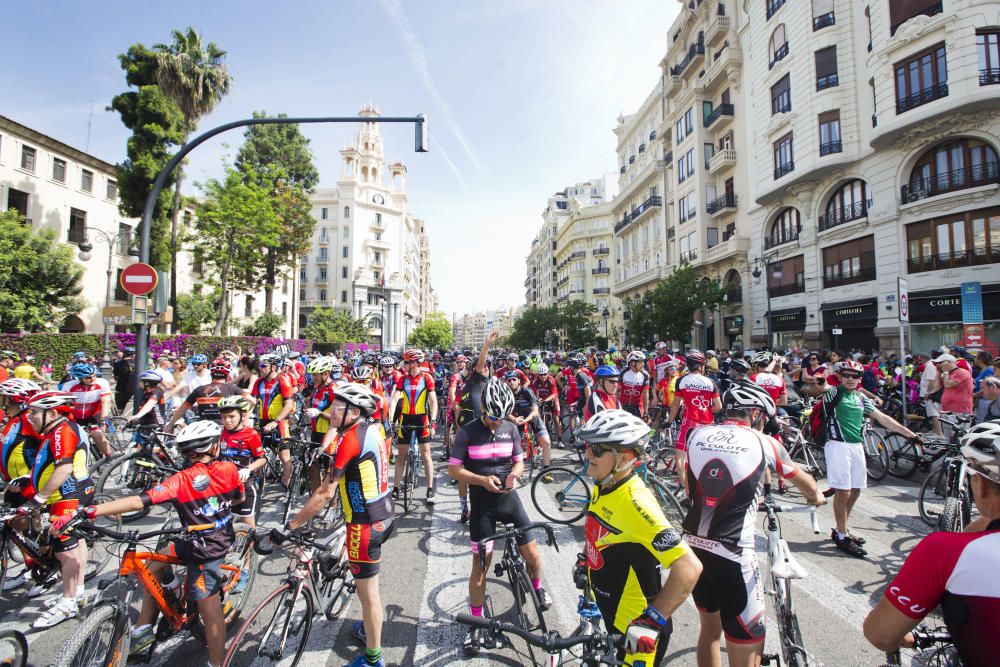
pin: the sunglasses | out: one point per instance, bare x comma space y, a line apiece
612, 380
492, 418
598, 450
850, 376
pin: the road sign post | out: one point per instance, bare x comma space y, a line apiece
903, 304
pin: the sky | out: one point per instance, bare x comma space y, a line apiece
521, 98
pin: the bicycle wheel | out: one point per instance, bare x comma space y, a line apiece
931, 499
815, 457
13, 649
956, 513
334, 578
565, 498
100, 551
876, 456
409, 479
667, 501
99, 640
529, 609
129, 475
903, 455
243, 556
276, 632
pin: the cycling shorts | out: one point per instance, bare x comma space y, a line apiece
251, 499
538, 428
633, 410
681, 443
364, 546
274, 438
89, 423
410, 423
735, 591
203, 580
487, 509
68, 505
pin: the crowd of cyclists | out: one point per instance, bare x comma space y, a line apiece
726, 414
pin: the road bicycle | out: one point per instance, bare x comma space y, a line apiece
550, 421
148, 461
411, 471
876, 452
104, 635
532, 451
782, 568
13, 649
318, 580
934, 646
906, 456
598, 648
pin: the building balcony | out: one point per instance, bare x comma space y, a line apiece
931, 10
782, 169
841, 216
718, 72
323, 260
602, 290
951, 181
378, 244
828, 81
717, 29
671, 232
823, 21
671, 84
689, 256
925, 96
563, 299
724, 204
638, 212
718, 112
695, 52
323, 240
577, 254
951, 260
774, 291
865, 274
601, 271
722, 160
989, 77
830, 148
598, 252
779, 55
786, 236
733, 246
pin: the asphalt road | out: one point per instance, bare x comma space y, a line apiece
426, 564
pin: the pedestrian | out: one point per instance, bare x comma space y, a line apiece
989, 400
123, 370
930, 391
956, 395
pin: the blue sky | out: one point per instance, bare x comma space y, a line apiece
522, 97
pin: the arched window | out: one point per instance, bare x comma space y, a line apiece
785, 228
733, 286
72, 324
849, 202
953, 165
778, 47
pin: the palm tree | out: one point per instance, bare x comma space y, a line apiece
193, 77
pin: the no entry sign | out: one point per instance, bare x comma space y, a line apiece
139, 279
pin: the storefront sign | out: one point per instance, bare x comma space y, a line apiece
792, 319
972, 303
734, 325
852, 314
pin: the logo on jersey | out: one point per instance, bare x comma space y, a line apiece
666, 539
595, 532
201, 482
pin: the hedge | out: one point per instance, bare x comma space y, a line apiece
61, 346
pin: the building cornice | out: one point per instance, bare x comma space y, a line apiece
54, 145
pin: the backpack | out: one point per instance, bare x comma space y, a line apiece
819, 417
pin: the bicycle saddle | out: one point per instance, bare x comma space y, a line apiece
787, 567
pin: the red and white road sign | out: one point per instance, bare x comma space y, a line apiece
139, 279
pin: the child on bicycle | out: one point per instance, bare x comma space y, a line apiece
204, 493
241, 444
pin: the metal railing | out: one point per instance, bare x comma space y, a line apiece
601, 251
989, 76
773, 6
781, 104
697, 49
831, 147
823, 21
950, 181
602, 290
781, 238
844, 214
734, 295
727, 200
930, 10
600, 271
783, 169
779, 55
774, 291
948, 260
828, 81
718, 112
577, 254
921, 98
865, 274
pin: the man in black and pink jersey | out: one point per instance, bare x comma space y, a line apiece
699, 396
544, 386
954, 570
634, 387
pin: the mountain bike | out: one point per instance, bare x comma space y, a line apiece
876, 452
13, 649
598, 648
319, 580
935, 646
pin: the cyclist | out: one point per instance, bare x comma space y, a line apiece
509, 363
725, 478
320, 370
274, 393
526, 414
390, 375
761, 365
203, 493
953, 569
635, 385
415, 393
204, 398
544, 386
18, 450
699, 397
7, 358
368, 376
629, 541
360, 475
296, 369
61, 481
487, 457
152, 411
468, 408
455, 381
658, 364
241, 444
92, 406
604, 395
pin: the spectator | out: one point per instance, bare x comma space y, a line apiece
983, 365
46, 368
957, 383
27, 371
930, 386
122, 371
989, 400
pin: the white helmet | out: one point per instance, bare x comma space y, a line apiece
19, 389
359, 396
761, 358
498, 399
746, 396
362, 373
198, 437
981, 449
616, 428
321, 365
635, 355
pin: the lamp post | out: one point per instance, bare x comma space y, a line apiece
85, 254
766, 261
605, 314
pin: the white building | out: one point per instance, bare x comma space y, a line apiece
370, 256
470, 330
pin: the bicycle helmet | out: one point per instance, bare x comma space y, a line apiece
850, 365
10, 354
694, 358
498, 399
18, 390
359, 396
741, 366
151, 377
615, 428
60, 401
747, 397
386, 360
762, 358
270, 360
77, 356
235, 403
413, 355
511, 375
606, 372
370, 359
321, 365
220, 368
461, 359
80, 371
198, 437
980, 449
572, 362
635, 355
198, 359
660, 346
362, 374
293, 356
542, 369
336, 369
671, 365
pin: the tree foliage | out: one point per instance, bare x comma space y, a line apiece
333, 326
529, 330
196, 311
434, 333
573, 322
266, 324
39, 280
675, 300
578, 323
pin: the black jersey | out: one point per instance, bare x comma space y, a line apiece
471, 397
524, 401
485, 452
205, 399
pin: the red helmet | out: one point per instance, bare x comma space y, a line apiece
695, 358
60, 401
220, 368
850, 365
413, 355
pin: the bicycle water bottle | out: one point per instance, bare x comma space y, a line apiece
171, 587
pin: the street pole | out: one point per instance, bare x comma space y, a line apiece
142, 330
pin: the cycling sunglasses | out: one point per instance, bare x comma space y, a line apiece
850, 376
496, 419
598, 450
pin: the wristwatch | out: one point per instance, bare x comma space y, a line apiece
652, 613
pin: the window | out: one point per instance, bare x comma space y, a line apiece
324, 213
322, 273
778, 47
690, 162
681, 169
988, 49
28, 158
785, 228
781, 95
901, 11
783, 156
826, 68
378, 219
248, 307
302, 294
345, 251
77, 225
951, 166
302, 274
18, 200
689, 121
124, 238
773, 6
709, 152
111, 190
284, 309
343, 296
792, 279
851, 262
343, 272
850, 202
322, 295
962, 239
120, 293
822, 14
59, 170
86, 180
323, 256
829, 133
347, 212
921, 79
347, 232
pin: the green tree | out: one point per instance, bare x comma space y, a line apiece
279, 157
640, 327
39, 280
677, 297
192, 75
266, 324
577, 321
335, 326
234, 222
530, 329
157, 127
434, 333
196, 311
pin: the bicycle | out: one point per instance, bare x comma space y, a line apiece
532, 452
319, 577
414, 462
103, 637
13, 649
781, 568
807, 454
568, 489
138, 470
942, 652
876, 452
906, 456
598, 648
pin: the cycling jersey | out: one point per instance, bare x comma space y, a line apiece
666, 388
201, 494
88, 397
392, 379
300, 373
241, 447
416, 391
66, 443
157, 416
484, 452
271, 396
952, 570
455, 383
629, 541
470, 398
569, 382
18, 447
524, 401
725, 472
599, 400
634, 385
698, 392
361, 462
773, 384
582, 379
501, 372
321, 399
659, 366
204, 400
848, 416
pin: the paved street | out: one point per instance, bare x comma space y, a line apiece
426, 563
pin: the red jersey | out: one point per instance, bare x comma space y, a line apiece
569, 381
599, 401
242, 447
321, 399
634, 386
772, 383
697, 392
391, 379
659, 366
271, 396
455, 383
88, 397
544, 386
520, 374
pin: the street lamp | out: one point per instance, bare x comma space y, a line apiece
605, 314
85, 254
766, 261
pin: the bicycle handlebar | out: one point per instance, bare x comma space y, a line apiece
769, 505
263, 545
550, 538
550, 642
133, 535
